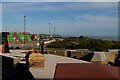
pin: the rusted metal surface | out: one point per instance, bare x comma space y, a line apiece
85, 71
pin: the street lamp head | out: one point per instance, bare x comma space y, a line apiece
24, 16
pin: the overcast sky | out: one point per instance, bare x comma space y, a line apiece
69, 18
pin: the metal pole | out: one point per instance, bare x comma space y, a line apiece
54, 31
24, 27
49, 29
14, 29
6, 28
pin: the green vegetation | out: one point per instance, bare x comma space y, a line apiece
85, 43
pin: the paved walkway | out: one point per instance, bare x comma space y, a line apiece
47, 72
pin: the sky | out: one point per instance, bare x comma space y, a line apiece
59, 0
68, 18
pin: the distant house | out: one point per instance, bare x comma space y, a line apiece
100, 57
39, 36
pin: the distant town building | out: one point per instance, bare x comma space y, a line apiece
39, 37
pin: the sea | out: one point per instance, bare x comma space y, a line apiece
96, 37
105, 37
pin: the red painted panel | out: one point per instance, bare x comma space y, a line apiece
85, 71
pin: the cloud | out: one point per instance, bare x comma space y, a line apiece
26, 6
88, 24
101, 20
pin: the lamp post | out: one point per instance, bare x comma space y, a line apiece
6, 28
49, 29
54, 31
24, 27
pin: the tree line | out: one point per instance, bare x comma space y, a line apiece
85, 43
